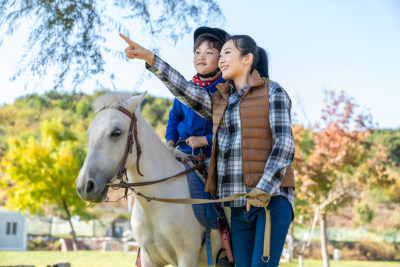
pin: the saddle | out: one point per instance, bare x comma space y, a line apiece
206, 214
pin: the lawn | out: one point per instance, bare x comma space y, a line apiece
120, 259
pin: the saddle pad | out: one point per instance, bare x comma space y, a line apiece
205, 213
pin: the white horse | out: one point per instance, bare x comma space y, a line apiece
166, 233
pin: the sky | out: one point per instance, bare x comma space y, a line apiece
313, 46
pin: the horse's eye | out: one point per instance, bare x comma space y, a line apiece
116, 133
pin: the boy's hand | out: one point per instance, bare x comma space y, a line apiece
196, 141
134, 50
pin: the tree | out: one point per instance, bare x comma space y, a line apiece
390, 139
156, 110
69, 34
41, 172
338, 164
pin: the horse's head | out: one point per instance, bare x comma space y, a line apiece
108, 136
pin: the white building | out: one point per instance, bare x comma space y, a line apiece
13, 230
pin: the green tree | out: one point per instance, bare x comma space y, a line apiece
156, 110
33, 100
364, 213
83, 108
390, 139
41, 172
69, 34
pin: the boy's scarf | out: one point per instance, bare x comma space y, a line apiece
201, 82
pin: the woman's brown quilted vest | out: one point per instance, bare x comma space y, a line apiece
257, 139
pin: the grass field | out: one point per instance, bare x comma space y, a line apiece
120, 259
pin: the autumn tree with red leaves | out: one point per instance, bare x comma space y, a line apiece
334, 163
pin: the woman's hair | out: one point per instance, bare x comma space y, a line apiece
245, 44
212, 42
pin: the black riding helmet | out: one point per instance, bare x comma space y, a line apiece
215, 33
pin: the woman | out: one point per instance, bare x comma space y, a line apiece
183, 122
253, 142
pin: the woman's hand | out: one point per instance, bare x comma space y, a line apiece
196, 141
259, 199
134, 50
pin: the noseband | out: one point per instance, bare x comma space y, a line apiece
128, 149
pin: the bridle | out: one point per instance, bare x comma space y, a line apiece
129, 144
133, 137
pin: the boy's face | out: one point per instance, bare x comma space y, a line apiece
205, 58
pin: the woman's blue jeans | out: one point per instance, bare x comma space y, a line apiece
248, 229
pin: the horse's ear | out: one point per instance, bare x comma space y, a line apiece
133, 103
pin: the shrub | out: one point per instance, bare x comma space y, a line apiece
40, 244
378, 251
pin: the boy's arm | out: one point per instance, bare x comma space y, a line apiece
175, 117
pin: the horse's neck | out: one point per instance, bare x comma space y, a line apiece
156, 162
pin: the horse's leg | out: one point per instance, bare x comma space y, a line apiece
146, 260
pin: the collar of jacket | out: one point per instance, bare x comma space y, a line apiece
254, 81
212, 88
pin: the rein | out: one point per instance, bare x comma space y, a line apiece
123, 184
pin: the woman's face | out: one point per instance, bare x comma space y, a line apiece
205, 58
231, 62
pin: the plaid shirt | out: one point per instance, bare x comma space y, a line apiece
229, 156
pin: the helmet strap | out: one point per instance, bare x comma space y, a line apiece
208, 75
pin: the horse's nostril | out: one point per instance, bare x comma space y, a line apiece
89, 187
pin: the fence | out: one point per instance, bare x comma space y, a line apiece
52, 226
350, 235
38, 225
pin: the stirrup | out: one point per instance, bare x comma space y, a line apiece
224, 262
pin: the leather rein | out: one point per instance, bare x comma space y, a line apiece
133, 138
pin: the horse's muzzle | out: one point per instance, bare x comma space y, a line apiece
91, 190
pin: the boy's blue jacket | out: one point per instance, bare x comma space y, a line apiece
183, 122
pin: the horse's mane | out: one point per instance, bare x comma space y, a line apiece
110, 100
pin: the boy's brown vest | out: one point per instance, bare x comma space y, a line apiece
257, 139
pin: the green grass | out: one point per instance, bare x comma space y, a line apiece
77, 259
318, 263
120, 259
